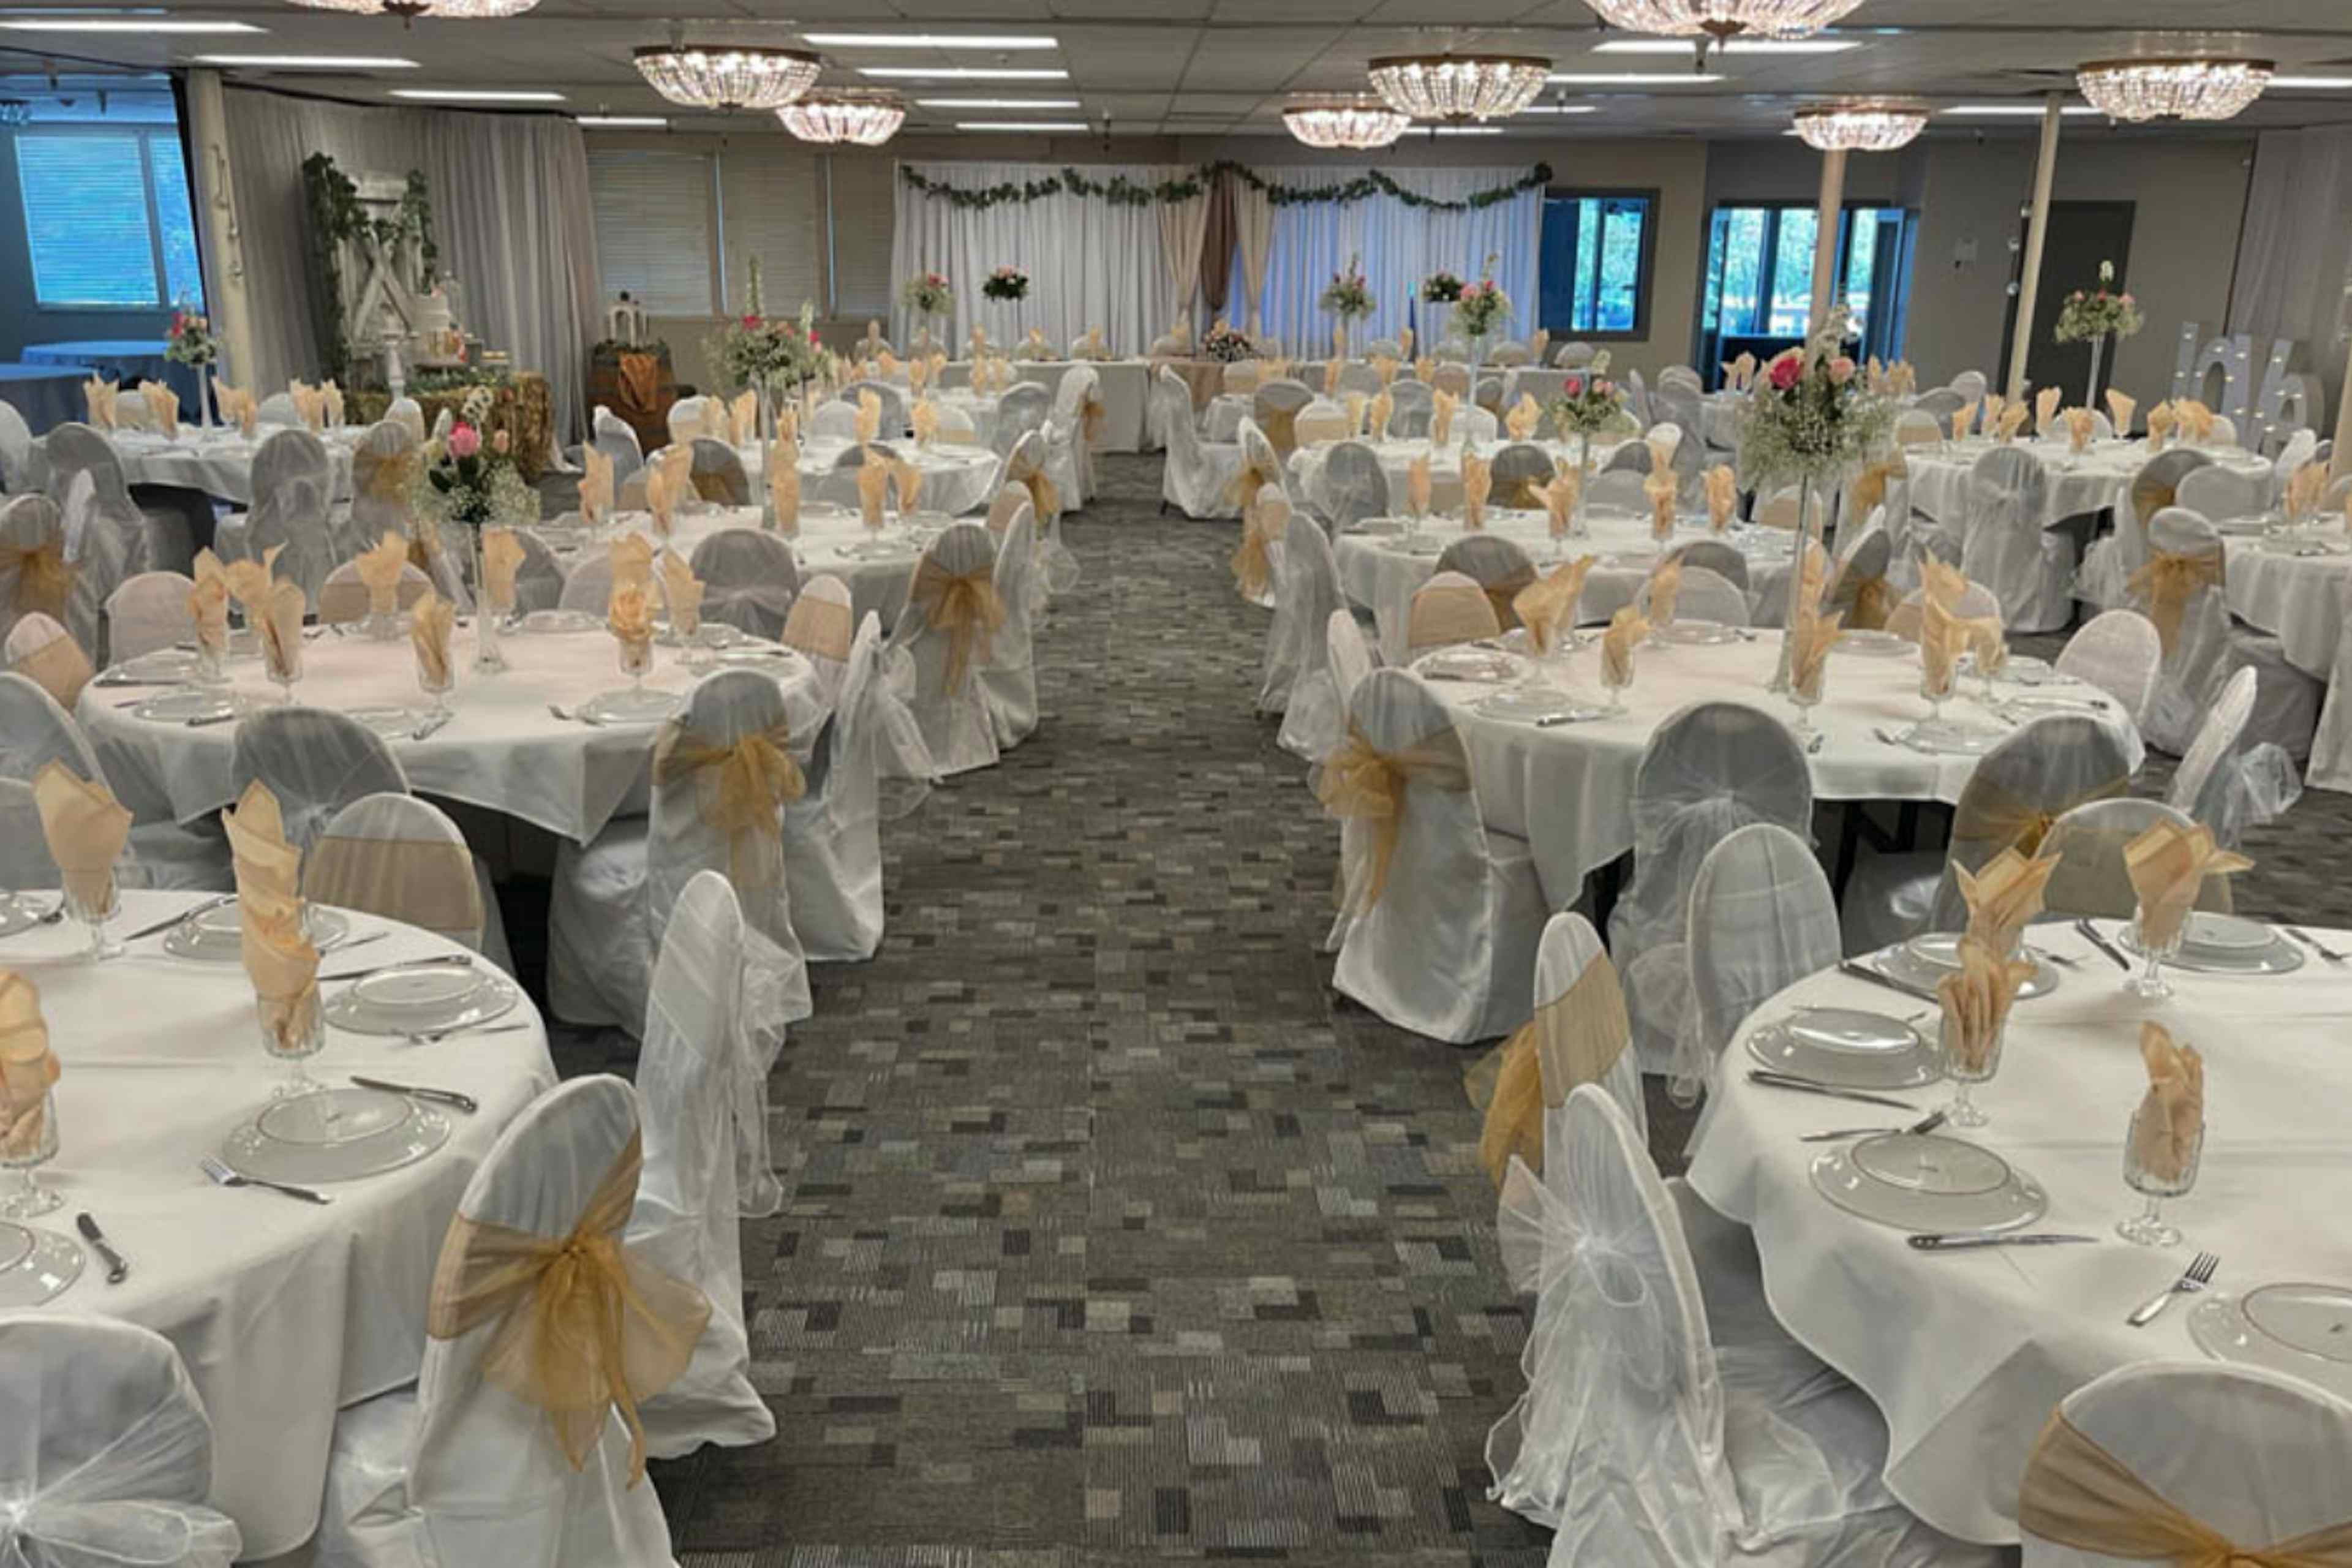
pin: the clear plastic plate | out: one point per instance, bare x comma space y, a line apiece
1847, 1047
1916, 1180
335, 1136
630, 705
493, 999
217, 935
2304, 1330
36, 1266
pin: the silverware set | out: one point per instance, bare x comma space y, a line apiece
1801, 1084
434, 1036
1968, 1240
217, 1169
1852, 969
118, 1268
2193, 1278
438, 960
2090, 933
1927, 1123
449, 1096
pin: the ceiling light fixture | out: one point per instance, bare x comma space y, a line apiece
1721, 19
476, 95
863, 116
1465, 131
1746, 46
311, 62
1863, 125
2182, 86
1634, 78
1458, 86
997, 103
1071, 125
1343, 122
927, 41
2314, 83
964, 73
1561, 108
122, 25
439, 10
726, 78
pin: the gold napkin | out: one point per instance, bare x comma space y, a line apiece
1942, 640
2171, 1125
2079, 430
784, 476
1356, 405
742, 417
1331, 368
873, 488
629, 616
1416, 487
1658, 485
1477, 483
248, 583
502, 557
1874, 374
1983, 636
1523, 419
2196, 420
2003, 894
2304, 487
661, 498
919, 373
1547, 607
1941, 583
2012, 420
1745, 364
869, 415
1560, 501
28, 1068
926, 421
234, 405
2161, 420
682, 591
1961, 420
380, 568
2167, 866
85, 831
1809, 651
280, 626
1425, 370
1376, 427
1385, 368
887, 362
429, 624
1626, 629
1812, 571
1722, 497
2120, 409
97, 397
163, 408
909, 480
1995, 407
331, 400
1404, 339
1976, 1000
2045, 409
596, 485
1665, 587
208, 603
632, 561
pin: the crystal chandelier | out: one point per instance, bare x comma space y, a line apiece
2188, 87
860, 115
439, 10
1338, 121
1721, 19
726, 78
1459, 87
1869, 126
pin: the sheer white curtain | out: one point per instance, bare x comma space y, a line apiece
511, 215
1091, 263
2294, 249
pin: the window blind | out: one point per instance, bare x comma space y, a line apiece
655, 227
772, 205
86, 223
864, 214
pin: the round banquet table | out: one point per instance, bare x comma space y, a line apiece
1568, 789
2092, 482
1396, 459
1377, 572
504, 750
956, 478
284, 1311
218, 461
1968, 1353
831, 541
2291, 586
45, 395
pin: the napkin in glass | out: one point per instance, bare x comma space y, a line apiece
1416, 486
2167, 866
502, 557
596, 488
1722, 497
783, 478
1975, 999
28, 1068
2003, 895
1560, 501
2079, 430
1376, 417
1665, 587
870, 415
85, 828
208, 603
682, 591
2121, 407
163, 408
2045, 409
1477, 484
1658, 485
1943, 638
1626, 629
873, 488
1522, 419
2171, 1120
909, 479
1962, 419
379, 568
1442, 405
629, 615
1809, 651
1547, 607
430, 621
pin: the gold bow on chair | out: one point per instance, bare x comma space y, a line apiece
1574, 1038
2166, 582
583, 1325
390, 479
1870, 485
1867, 602
740, 790
1253, 558
1280, 428
1362, 784
2077, 1494
44, 578
966, 608
1990, 816
1043, 494
1504, 592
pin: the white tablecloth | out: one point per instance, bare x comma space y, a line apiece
2090, 483
2298, 598
956, 478
1375, 573
831, 541
504, 750
1396, 459
1968, 1353
219, 462
284, 1311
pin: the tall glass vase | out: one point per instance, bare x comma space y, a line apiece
1808, 536
763, 426
1576, 528
488, 657
2090, 394
204, 401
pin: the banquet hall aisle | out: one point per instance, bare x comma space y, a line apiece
1111, 1237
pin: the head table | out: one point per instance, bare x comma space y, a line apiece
284, 1311
1968, 1353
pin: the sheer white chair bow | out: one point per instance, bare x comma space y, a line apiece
943, 636
2229, 788
1313, 717
148, 612
402, 857
106, 1455
750, 580
2030, 569
1200, 478
2111, 562
1008, 676
1762, 918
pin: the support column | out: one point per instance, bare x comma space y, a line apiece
226, 300
1826, 236
2037, 229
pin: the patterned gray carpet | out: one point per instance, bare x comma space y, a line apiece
1112, 1236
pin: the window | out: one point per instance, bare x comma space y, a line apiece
1758, 288
106, 220
656, 223
1596, 263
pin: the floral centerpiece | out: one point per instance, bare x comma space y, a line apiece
1441, 287
1348, 296
770, 353
475, 483
1226, 344
1588, 403
1006, 283
191, 342
2093, 317
928, 294
1481, 308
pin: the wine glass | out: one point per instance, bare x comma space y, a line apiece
29, 1198
438, 689
293, 1030
287, 669
636, 663
2150, 981
1936, 694
1805, 696
1964, 1111
2147, 1228
91, 899
1615, 681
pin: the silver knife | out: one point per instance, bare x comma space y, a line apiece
2091, 934
1853, 970
118, 1268
1807, 1086
206, 907
451, 1097
437, 962
200, 721
1959, 1240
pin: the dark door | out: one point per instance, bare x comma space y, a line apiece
2082, 234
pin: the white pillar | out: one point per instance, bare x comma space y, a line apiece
2037, 229
1826, 236
225, 299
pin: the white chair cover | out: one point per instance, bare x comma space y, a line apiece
1499, 565
2091, 879
1568, 949
1638, 1440
1313, 717
2222, 493
1200, 478
833, 843
702, 1075
293, 521
288, 454
382, 465
718, 474
1447, 609
1057, 569
539, 580
1349, 486
458, 1469
1704, 596
1021, 410
402, 857
409, 414
344, 598
821, 627
1969, 384
1520, 469
1350, 654
148, 612
2119, 652
103, 554
2031, 571
40, 648
955, 722
1708, 770
1449, 949
278, 408
834, 422
35, 732
2109, 565
1762, 918
1320, 421
316, 762
105, 1456
2230, 789
2206, 654
156, 538
617, 439
2255, 1457
749, 580
1008, 676
688, 418
18, 473
1726, 562
33, 523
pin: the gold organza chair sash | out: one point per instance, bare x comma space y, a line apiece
1091, 419
965, 608
2166, 582
1870, 485
1253, 558
2079, 1494
387, 477
1503, 593
417, 881
583, 1325
819, 627
2149, 495
1280, 427
59, 667
1989, 817
1867, 602
1044, 495
1448, 614
1524, 493
741, 789
1574, 1038
44, 578
1361, 784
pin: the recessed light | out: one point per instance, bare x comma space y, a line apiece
621, 121
1073, 125
476, 95
1467, 130
927, 41
1731, 49
311, 62
966, 73
2021, 110
2314, 82
123, 25
997, 103
1633, 78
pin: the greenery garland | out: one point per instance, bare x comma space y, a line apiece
1120, 191
336, 215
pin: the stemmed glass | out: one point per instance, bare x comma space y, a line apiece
439, 689
1936, 695
94, 902
2148, 1227
292, 1032
1616, 683
1805, 696
1964, 1111
30, 1199
636, 663
2150, 981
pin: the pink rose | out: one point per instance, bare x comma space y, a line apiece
751, 322
1573, 386
1787, 370
1841, 370
464, 440
499, 442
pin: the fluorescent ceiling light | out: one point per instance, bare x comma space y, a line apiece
311, 62
2316, 82
1633, 78
1468, 129
1561, 108
475, 95
621, 121
997, 103
927, 41
1023, 125
966, 73
1731, 49
124, 24
2021, 110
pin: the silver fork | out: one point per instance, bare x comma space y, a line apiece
2192, 1280
2313, 942
217, 1169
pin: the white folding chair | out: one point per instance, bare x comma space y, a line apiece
148, 612
1008, 676
869, 763
156, 538
2228, 787
402, 857
2210, 647
1313, 718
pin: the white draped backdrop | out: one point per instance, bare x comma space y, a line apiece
2295, 248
